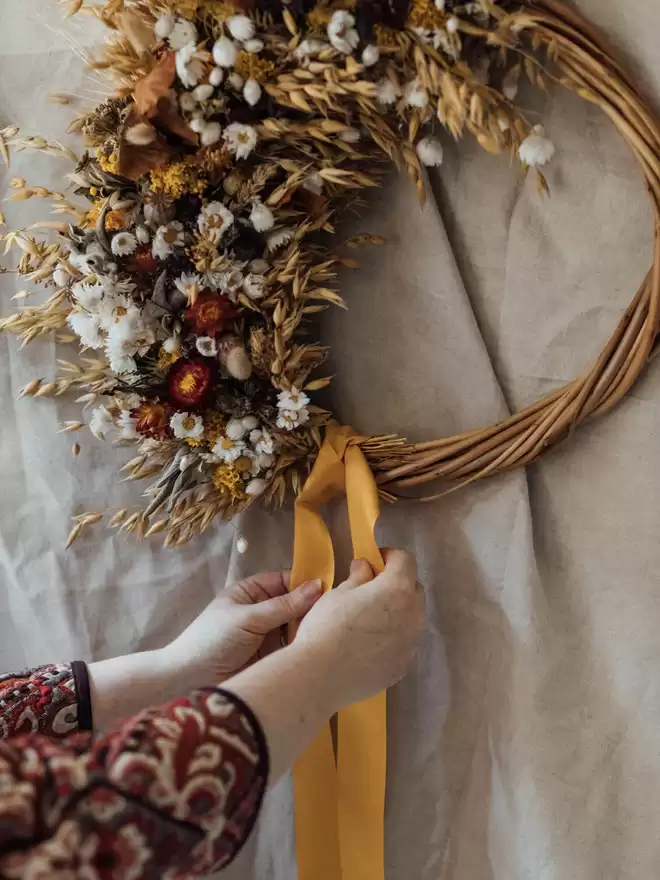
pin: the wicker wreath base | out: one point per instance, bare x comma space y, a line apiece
588, 67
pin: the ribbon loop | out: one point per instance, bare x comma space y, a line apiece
339, 806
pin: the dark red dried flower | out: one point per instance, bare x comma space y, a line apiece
211, 314
188, 383
153, 419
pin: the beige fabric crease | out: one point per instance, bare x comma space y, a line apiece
525, 743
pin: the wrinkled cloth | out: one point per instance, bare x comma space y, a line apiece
173, 793
524, 744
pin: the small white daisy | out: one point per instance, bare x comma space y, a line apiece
387, 92
190, 65
127, 426
187, 425
167, 238
430, 151
261, 217
206, 346
279, 238
254, 286
101, 422
215, 219
536, 150
181, 34
290, 419
89, 296
240, 139
87, 328
294, 399
342, 33
229, 450
123, 244
263, 442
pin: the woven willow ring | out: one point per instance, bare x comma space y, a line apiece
234, 137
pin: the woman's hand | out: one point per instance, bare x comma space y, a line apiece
366, 631
357, 640
240, 626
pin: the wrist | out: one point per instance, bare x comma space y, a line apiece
316, 668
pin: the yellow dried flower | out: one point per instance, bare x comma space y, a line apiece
114, 220
228, 480
425, 14
251, 66
109, 163
214, 427
167, 358
178, 178
386, 37
194, 443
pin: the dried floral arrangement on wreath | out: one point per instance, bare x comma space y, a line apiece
200, 248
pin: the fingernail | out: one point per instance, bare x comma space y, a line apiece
311, 588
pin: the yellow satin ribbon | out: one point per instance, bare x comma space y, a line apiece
340, 805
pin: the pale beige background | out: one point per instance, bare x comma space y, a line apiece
526, 743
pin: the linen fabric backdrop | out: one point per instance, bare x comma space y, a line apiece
524, 745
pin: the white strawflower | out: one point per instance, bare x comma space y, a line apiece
182, 34
189, 284
120, 361
430, 151
203, 92
187, 425
190, 65
88, 295
536, 149
253, 46
123, 244
252, 92
167, 238
88, 329
164, 25
240, 139
414, 95
342, 33
143, 235
61, 277
263, 442
127, 426
307, 48
279, 238
254, 286
224, 52
387, 92
101, 422
215, 219
216, 76
211, 134
290, 419
206, 346
111, 307
261, 217
235, 429
240, 27
256, 487
242, 545
294, 399
229, 450
370, 55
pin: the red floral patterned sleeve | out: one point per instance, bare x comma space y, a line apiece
43, 700
173, 793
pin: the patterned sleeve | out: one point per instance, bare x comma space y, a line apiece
173, 793
44, 700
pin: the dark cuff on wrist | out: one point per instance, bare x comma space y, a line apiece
81, 679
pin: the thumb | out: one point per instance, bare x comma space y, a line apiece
359, 573
268, 615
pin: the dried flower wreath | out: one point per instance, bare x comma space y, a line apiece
213, 177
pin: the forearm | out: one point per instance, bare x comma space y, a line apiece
124, 686
292, 694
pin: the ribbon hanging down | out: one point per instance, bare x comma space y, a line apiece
340, 804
